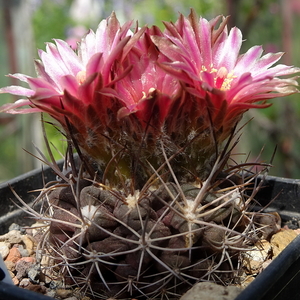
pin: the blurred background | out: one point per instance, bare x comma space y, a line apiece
27, 24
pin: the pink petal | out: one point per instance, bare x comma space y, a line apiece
69, 83
278, 70
178, 72
112, 30
124, 112
205, 42
42, 93
20, 76
11, 107
54, 65
228, 52
133, 40
86, 91
40, 69
53, 69
248, 60
51, 51
37, 83
95, 64
116, 52
168, 48
69, 57
87, 47
208, 78
17, 90
267, 61
191, 45
101, 40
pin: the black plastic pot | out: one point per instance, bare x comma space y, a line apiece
24, 185
279, 281
11, 292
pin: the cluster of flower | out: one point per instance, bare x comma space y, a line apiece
124, 90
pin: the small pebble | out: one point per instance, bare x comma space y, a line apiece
34, 273
40, 257
297, 231
15, 280
28, 259
46, 277
281, 239
4, 249
254, 259
23, 251
14, 226
50, 293
22, 268
24, 282
12, 237
29, 244
211, 291
62, 293
14, 255
37, 231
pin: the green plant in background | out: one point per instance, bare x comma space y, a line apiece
51, 19
154, 203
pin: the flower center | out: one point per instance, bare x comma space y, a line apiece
221, 77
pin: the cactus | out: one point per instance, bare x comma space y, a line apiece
150, 243
152, 205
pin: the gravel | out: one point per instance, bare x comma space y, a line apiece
18, 250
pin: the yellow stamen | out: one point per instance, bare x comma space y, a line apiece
226, 85
222, 77
151, 90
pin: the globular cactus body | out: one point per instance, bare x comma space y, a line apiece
146, 244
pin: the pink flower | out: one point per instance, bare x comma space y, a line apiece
146, 92
70, 86
207, 61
